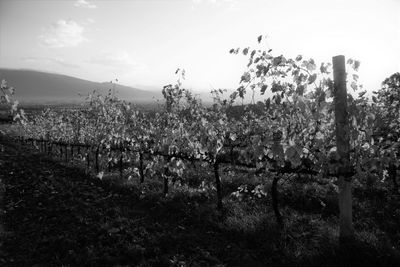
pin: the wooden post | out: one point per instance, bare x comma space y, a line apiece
165, 176
392, 175
120, 163
343, 148
141, 173
275, 200
87, 161
109, 162
97, 159
218, 185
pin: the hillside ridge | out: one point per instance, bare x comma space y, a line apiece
34, 86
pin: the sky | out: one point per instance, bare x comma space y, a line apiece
142, 43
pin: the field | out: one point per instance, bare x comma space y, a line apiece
303, 178
56, 215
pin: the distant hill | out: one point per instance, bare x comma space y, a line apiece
49, 88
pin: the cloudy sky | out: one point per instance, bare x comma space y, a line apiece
142, 43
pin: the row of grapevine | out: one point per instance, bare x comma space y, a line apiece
291, 131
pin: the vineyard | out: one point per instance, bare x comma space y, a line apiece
308, 144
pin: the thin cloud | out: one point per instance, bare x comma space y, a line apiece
84, 3
229, 4
63, 33
118, 60
214, 2
58, 61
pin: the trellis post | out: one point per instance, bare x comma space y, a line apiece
343, 148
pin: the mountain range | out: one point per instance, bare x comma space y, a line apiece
39, 87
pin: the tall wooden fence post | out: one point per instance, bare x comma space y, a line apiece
343, 148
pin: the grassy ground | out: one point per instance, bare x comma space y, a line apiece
55, 215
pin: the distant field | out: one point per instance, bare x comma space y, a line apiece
31, 110
5, 115
10, 129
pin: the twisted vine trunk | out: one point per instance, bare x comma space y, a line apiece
275, 201
87, 161
97, 159
392, 175
120, 165
109, 162
141, 173
218, 185
166, 173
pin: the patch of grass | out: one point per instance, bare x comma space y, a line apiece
60, 216
244, 219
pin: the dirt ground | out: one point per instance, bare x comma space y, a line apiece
56, 215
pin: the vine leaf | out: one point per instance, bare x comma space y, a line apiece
263, 88
293, 156
312, 78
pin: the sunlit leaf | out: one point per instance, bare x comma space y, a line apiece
354, 86
241, 90
245, 77
263, 88
312, 78
356, 65
267, 103
323, 68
